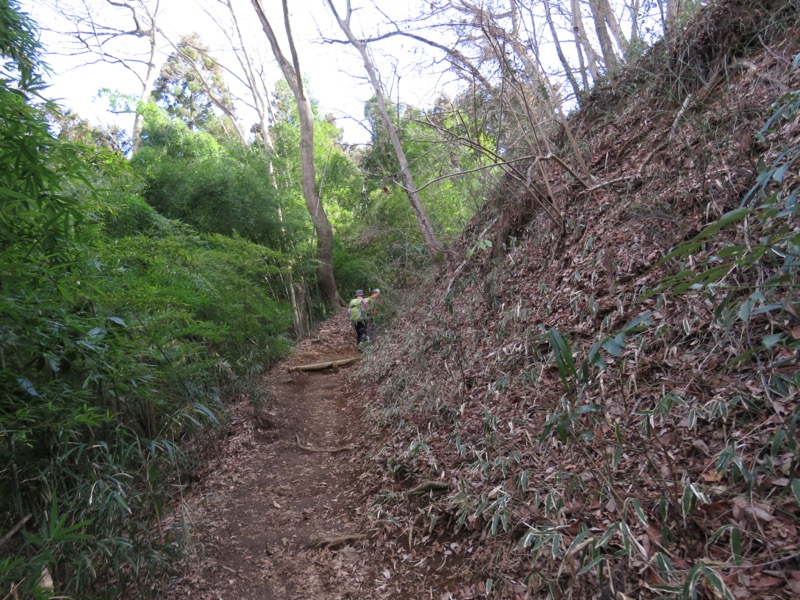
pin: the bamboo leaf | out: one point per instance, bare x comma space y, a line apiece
28, 387
555, 542
745, 310
718, 533
578, 539
588, 408
732, 216
715, 579
615, 345
665, 567
563, 356
736, 546
770, 341
617, 457
644, 319
592, 564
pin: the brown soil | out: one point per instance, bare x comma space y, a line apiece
290, 509
263, 522
605, 482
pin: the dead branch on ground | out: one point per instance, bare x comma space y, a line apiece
331, 364
326, 450
331, 542
427, 486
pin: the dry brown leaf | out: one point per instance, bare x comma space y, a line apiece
765, 582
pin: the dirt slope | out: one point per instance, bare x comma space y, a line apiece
673, 468
486, 460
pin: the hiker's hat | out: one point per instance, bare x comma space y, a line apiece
376, 291
359, 292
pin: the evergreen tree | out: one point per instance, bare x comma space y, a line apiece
192, 88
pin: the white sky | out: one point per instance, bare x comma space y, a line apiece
335, 72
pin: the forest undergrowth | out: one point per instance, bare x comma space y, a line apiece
609, 409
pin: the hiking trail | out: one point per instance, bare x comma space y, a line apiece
277, 514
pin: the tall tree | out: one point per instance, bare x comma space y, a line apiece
431, 240
253, 76
674, 9
606, 46
559, 51
583, 45
293, 75
118, 32
191, 86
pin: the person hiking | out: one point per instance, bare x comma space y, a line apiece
359, 314
375, 303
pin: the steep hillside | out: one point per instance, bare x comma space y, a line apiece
574, 426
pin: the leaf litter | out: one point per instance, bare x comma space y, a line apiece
570, 434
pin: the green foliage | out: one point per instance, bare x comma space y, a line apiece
339, 184
356, 271
67, 125
120, 333
19, 46
191, 86
255, 193
36, 210
755, 273
448, 173
110, 359
217, 194
172, 138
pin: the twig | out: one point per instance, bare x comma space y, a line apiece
14, 530
458, 174
328, 450
426, 486
235, 572
678, 117
546, 203
565, 166
330, 542
463, 264
649, 157
638, 175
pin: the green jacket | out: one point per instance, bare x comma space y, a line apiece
359, 309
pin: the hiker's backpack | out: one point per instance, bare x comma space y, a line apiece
359, 310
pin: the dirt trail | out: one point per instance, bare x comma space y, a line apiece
254, 521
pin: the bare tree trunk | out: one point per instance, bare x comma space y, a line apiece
581, 63
564, 63
606, 47
431, 241
580, 34
260, 100
147, 82
297, 313
291, 71
613, 26
674, 9
634, 16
